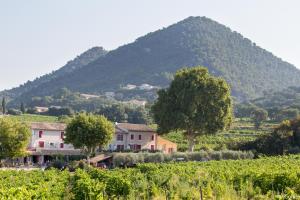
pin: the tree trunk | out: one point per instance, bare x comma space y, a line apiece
191, 141
88, 159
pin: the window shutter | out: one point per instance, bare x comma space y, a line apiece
40, 134
41, 144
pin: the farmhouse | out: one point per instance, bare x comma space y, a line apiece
47, 141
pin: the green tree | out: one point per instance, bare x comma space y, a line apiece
14, 138
22, 108
195, 102
3, 105
259, 115
287, 114
87, 132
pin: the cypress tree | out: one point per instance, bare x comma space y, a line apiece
22, 108
3, 105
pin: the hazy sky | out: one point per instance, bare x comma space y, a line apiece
39, 36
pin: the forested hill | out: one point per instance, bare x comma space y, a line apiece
80, 61
153, 58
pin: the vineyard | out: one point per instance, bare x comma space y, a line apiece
242, 131
264, 178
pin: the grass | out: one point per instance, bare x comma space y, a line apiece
34, 118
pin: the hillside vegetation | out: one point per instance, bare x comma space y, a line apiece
153, 59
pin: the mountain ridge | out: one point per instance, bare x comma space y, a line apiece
153, 58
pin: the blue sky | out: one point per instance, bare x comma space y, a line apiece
39, 36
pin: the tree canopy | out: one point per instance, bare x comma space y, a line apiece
88, 132
14, 138
195, 102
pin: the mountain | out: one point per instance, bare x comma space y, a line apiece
77, 63
153, 58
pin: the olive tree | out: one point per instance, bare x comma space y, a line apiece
196, 103
87, 132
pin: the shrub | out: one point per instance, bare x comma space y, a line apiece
216, 155
154, 157
198, 156
14, 112
179, 156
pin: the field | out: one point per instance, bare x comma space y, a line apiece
34, 118
264, 178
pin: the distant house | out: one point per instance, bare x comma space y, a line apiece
40, 109
89, 96
165, 145
129, 87
138, 137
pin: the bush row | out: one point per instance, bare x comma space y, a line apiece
131, 159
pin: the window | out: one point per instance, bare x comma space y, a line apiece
120, 147
164, 147
138, 147
132, 136
62, 135
40, 134
170, 150
41, 144
61, 145
152, 148
152, 137
140, 137
119, 137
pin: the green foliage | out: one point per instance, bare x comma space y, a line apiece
195, 102
22, 108
243, 110
125, 113
282, 140
53, 111
13, 112
132, 159
34, 118
3, 105
14, 138
281, 105
287, 114
27, 185
264, 178
87, 132
259, 115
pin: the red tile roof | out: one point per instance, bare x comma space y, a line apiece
48, 126
134, 127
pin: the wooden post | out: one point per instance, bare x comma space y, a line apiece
201, 194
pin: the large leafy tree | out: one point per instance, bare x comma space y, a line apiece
87, 132
14, 138
195, 102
